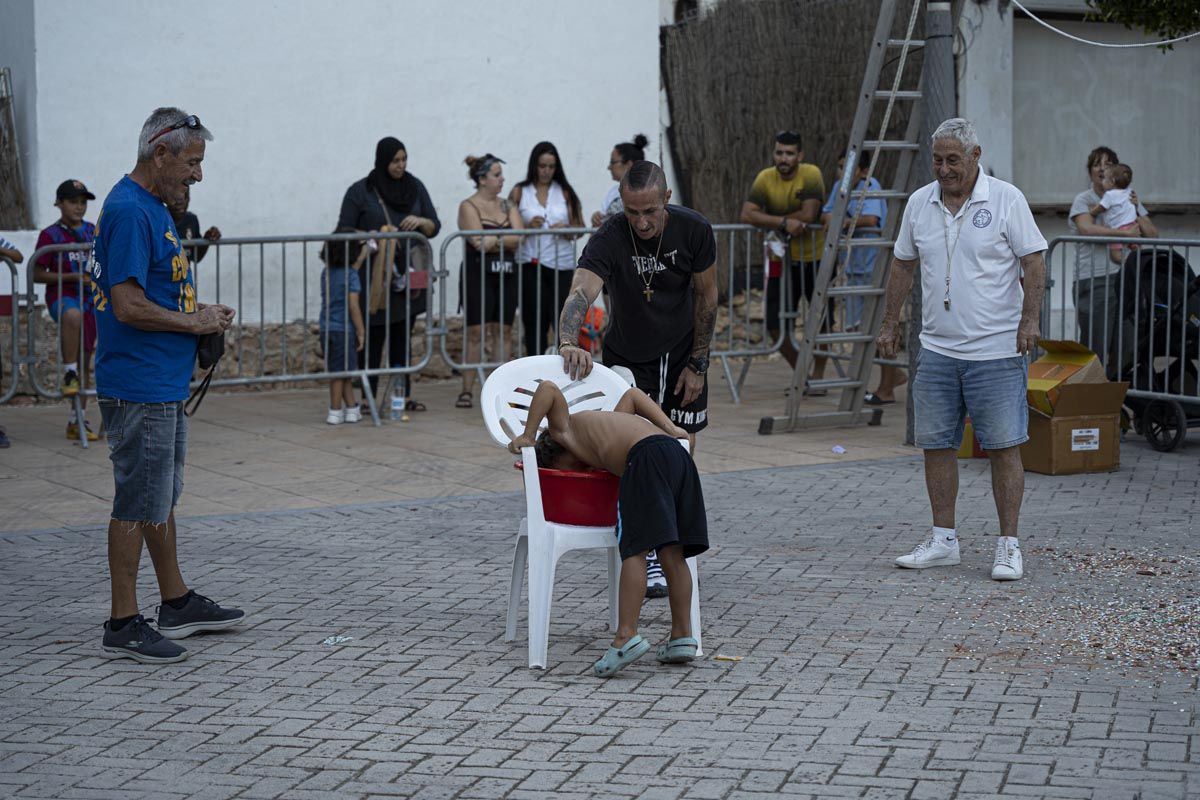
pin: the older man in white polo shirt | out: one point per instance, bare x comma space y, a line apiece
973, 237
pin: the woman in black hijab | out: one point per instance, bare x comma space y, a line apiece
390, 195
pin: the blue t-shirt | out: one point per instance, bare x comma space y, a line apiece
341, 282
135, 238
862, 259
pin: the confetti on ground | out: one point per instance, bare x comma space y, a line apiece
1123, 608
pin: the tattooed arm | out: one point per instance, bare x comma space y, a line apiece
704, 305
585, 287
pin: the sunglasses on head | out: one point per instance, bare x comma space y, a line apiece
191, 122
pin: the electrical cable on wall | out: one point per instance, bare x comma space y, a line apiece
1072, 37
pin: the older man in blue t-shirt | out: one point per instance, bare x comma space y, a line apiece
148, 322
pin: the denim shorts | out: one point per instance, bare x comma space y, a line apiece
147, 443
946, 389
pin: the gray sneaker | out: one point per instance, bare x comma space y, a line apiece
138, 640
200, 614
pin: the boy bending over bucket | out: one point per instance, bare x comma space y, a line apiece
660, 505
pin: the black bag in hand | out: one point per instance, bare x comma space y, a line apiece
209, 349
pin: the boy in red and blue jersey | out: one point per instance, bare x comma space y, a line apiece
64, 275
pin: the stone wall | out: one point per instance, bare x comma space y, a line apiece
266, 350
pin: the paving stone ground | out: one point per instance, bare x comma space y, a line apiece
856, 679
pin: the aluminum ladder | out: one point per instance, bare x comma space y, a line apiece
853, 384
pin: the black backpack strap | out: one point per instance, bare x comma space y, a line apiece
198, 395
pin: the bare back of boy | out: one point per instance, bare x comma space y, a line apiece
600, 439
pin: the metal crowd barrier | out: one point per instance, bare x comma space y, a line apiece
1141, 316
234, 272
500, 286
10, 308
740, 265
295, 300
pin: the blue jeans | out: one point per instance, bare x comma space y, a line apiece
147, 443
946, 389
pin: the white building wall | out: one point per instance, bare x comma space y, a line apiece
298, 93
1041, 103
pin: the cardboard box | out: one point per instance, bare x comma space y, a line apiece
1074, 413
1063, 364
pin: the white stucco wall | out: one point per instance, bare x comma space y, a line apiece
298, 93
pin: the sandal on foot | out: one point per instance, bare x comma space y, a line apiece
616, 659
873, 399
414, 405
677, 651
463, 401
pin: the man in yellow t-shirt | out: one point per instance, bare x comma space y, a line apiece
784, 199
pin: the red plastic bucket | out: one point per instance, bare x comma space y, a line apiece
579, 498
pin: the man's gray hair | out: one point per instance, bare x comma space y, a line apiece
960, 130
175, 140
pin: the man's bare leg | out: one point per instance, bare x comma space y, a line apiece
630, 593
1008, 487
941, 481
160, 541
124, 553
889, 378
679, 589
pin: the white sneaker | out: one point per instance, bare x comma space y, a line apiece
352, 414
336, 416
931, 553
1008, 566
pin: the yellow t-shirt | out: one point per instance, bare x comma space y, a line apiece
774, 195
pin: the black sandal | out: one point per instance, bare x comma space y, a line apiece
463, 401
414, 405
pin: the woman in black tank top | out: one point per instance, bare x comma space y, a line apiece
489, 281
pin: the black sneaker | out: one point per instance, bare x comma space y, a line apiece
200, 614
138, 640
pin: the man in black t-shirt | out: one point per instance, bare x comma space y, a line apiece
188, 226
657, 263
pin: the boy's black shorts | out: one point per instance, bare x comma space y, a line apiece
648, 376
660, 501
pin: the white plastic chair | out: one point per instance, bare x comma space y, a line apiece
505, 399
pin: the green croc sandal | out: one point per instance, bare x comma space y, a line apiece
677, 651
616, 660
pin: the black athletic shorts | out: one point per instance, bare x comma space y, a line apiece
660, 501
801, 282
657, 378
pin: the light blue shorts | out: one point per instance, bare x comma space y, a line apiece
945, 390
62, 304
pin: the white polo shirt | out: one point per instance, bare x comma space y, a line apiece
994, 229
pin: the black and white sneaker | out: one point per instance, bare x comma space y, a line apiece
656, 583
138, 640
199, 614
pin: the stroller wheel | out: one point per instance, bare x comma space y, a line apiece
1164, 424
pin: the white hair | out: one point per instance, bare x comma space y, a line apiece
959, 129
175, 140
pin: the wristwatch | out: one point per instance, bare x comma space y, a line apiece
783, 226
698, 364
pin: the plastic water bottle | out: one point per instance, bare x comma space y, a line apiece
399, 404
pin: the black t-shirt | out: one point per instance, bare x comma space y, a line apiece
643, 330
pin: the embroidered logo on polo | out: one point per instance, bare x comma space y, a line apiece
982, 218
